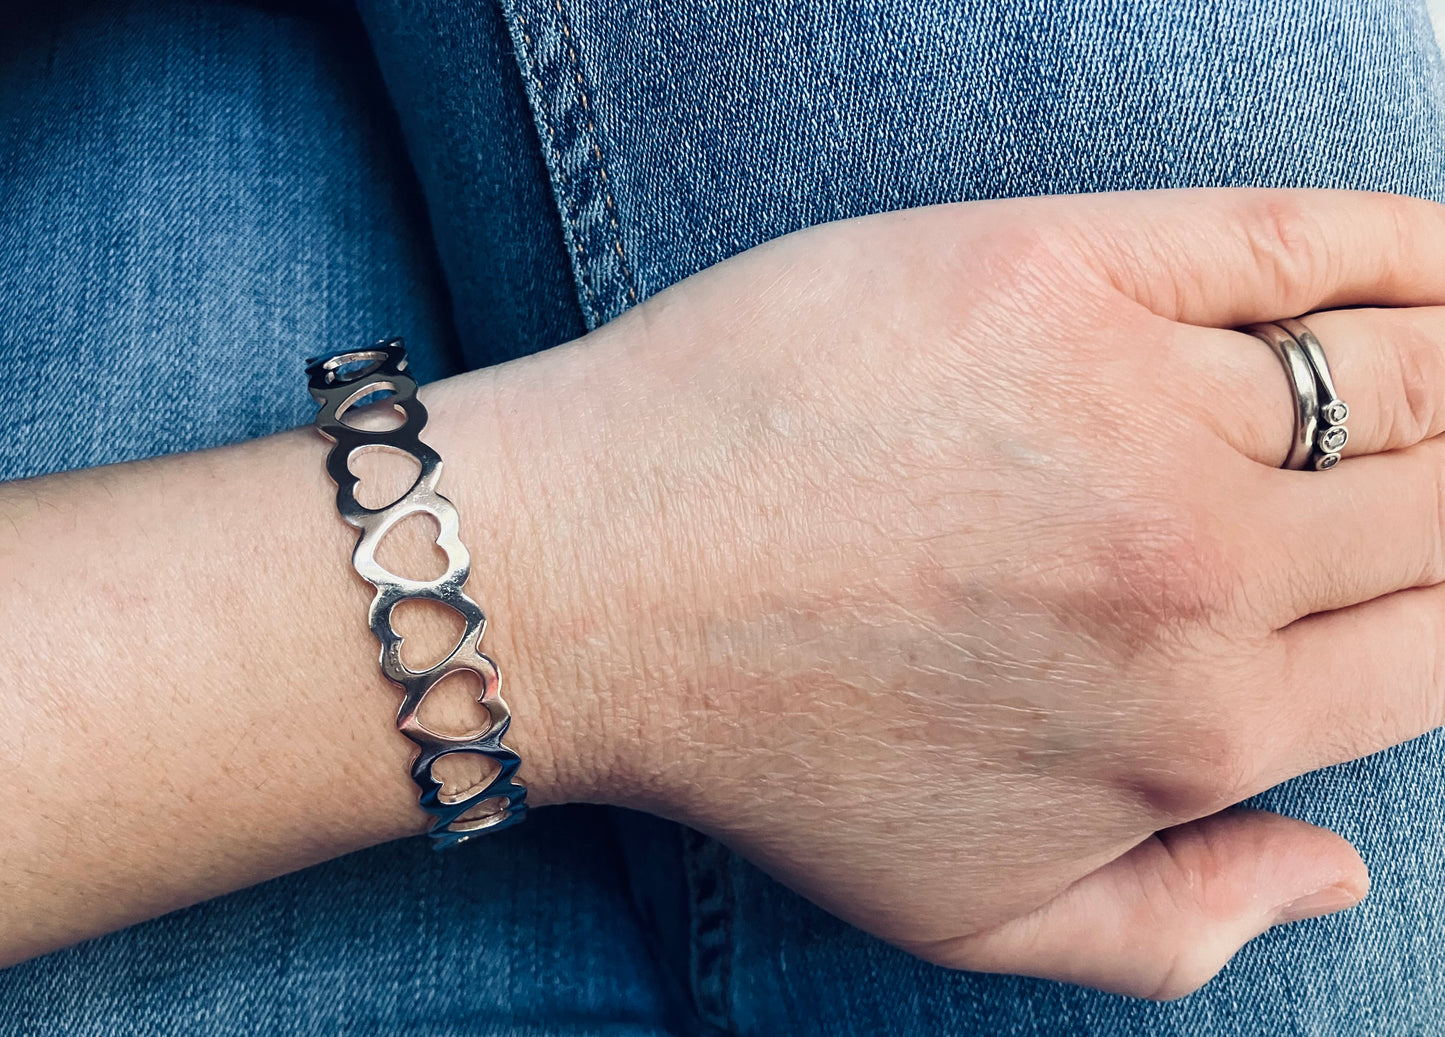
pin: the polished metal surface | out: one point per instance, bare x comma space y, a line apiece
338, 383
1334, 412
1303, 387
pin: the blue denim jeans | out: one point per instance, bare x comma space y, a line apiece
192, 190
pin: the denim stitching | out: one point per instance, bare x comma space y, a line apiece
710, 891
597, 153
552, 70
567, 203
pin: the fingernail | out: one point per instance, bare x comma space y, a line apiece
1321, 902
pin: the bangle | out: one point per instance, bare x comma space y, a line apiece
340, 382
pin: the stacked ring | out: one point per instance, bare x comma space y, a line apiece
1334, 412
1319, 413
1302, 381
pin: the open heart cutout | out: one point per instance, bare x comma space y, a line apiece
376, 527
413, 546
461, 775
384, 474
463, 812
480, 688
455, 708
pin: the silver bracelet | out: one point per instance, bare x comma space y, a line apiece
340, 382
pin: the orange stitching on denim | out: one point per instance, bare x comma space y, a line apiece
561, 172
597, 153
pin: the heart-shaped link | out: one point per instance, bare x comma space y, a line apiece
337, 382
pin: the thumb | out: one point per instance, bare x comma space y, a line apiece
1162, 919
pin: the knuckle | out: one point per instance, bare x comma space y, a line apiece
1028, 265
1414, 409
1200, 769
1159, 577
1284, 239
1433, 566
1204, 747
1166, 598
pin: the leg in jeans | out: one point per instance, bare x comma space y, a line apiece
193, 199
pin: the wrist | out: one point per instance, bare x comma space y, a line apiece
225, 702
518, 443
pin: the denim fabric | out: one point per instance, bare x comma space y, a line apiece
680, 134
183, 184
186, 196
449, 70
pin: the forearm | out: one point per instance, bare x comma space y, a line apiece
192, 697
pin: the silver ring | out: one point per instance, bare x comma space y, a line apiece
1331, 436
1302, 380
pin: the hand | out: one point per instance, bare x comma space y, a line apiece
940, 562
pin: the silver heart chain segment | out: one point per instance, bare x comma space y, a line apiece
338, 383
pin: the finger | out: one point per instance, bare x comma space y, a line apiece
1305, 542
1370, 676
1387, 364
1226, 257
1161, 920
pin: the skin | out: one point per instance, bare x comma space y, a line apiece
938, 561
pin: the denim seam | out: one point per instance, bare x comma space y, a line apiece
565, 203
626, 278
581, 182
710, 890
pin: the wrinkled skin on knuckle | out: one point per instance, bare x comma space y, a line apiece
1217, 703
1200, 766
1282, 252
1151, 568
1162, 604
1272, 245
1410, 402
1150, 597
1286, 242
